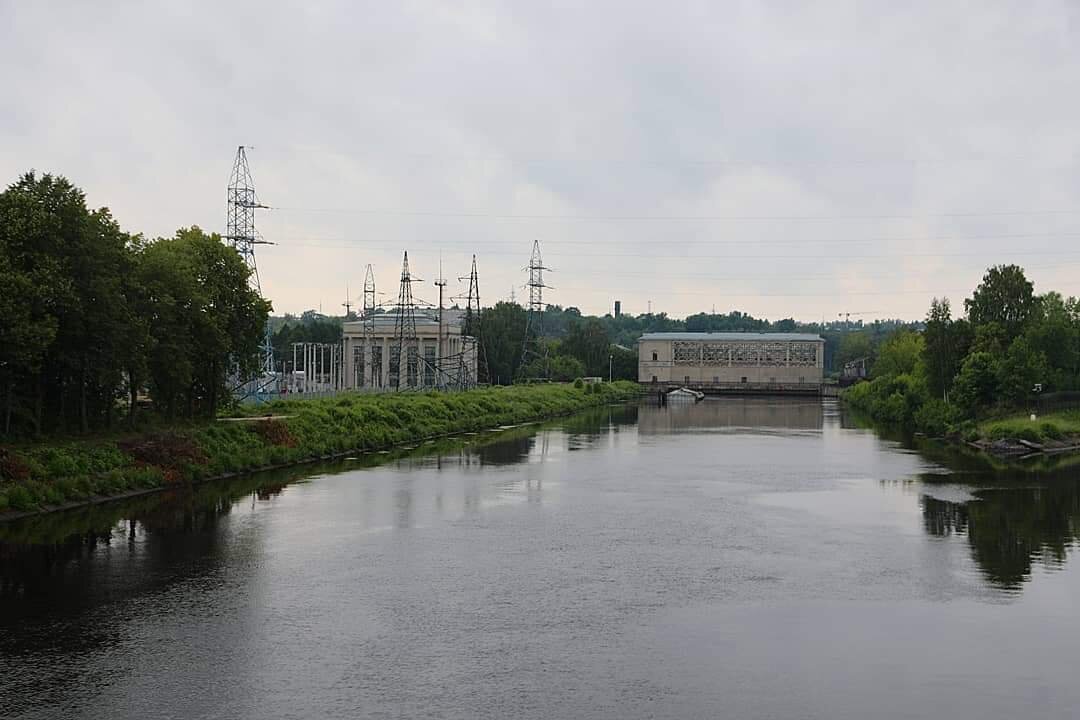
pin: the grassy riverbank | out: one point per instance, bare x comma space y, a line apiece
1052, 427
36, 476
899, 403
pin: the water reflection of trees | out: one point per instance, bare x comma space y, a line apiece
1015, 523
50, 562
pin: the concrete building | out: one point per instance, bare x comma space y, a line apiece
732, 362
441, 356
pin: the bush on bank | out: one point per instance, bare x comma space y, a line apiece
32, 476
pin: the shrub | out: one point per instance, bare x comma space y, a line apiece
13, 466
19, 498
579, 383
275, 432
934, 417
1051, 431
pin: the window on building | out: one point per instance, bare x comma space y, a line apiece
744, 378
716, 378
687, 380
654, 378
654, 357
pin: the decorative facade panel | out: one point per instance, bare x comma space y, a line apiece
744, 354
715, 353
686, 353
804, 354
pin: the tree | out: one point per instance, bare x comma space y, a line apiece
854, 345
67, 265
899, 354
588, 342
976, 385
1005, 296
946, 343
204, 320
1056, 336
504, 332
624, 363
560, 368
1020, 370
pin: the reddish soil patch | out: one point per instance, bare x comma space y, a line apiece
167, 451
275, 432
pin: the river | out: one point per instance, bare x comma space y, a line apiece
739, 558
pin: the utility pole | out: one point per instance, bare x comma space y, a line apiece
347, 304
440, 283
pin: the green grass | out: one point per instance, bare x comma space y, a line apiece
1052, 426
37, 475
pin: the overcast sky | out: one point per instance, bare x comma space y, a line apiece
760, 156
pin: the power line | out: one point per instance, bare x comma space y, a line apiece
814, 256
736, 241
670, 218
843, 293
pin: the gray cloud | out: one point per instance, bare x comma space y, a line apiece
849, 156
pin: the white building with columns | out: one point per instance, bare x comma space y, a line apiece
439, 357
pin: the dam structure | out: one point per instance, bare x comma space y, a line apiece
733, 363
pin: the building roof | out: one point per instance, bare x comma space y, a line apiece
774, 337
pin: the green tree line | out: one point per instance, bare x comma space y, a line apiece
94, 316
1009, 345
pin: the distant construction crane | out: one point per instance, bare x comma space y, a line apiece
847, 316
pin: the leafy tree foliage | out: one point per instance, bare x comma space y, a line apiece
560, 368
1014, 342
588, 342
1006, 297
977, 384
93, 315
946, 342
504, 333
900, 354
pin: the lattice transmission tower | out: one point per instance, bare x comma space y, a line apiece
374, 359
534, 318
472, 331
405, 340
242, 202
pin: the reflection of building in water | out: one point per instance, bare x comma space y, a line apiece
732, 362
748, 412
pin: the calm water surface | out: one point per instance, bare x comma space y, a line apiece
742, 558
